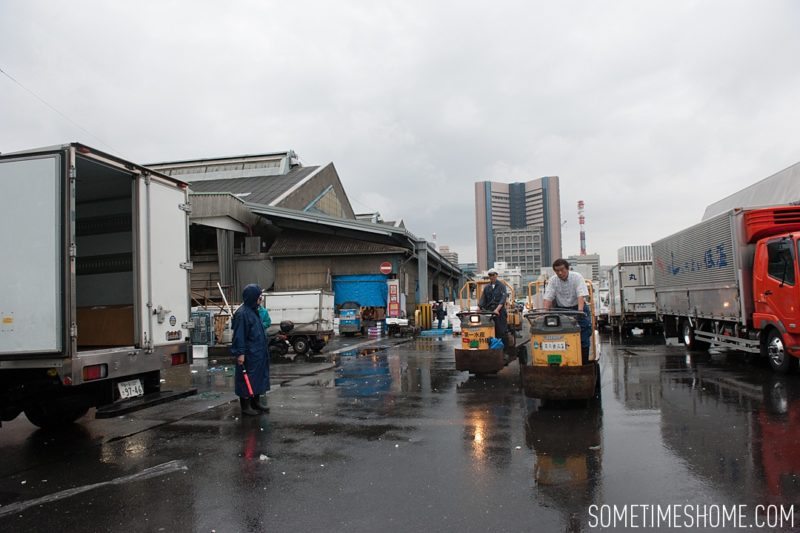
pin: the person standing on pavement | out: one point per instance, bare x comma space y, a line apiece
493, 298
266, 321
567, 290
440, 313
249, 347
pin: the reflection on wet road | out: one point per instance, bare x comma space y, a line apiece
391, 436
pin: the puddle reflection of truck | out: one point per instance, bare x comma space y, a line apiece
95, 297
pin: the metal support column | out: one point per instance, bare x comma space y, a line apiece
421, 252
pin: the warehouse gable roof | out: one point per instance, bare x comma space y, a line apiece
259, 189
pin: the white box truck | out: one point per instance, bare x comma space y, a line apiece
95, 295
312, 313
632, 299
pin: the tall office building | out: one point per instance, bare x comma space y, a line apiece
445, 252
519, 223
592, 260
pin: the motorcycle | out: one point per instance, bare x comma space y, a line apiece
279, 343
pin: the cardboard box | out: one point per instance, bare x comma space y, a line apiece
110, 325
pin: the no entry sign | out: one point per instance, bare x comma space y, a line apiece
386, 267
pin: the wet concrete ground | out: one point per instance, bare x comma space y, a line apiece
388, 435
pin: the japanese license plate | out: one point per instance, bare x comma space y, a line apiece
129, 389
554, 346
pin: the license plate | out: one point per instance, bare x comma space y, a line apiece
130, 389
553, 359
554, 346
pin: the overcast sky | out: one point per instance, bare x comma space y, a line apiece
648, 111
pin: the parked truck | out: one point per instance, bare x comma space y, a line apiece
732, 280
311, 312
631, 298
94, 301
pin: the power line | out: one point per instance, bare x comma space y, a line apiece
42, 100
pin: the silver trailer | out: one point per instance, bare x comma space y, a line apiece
705, 273
95, 298
631, 298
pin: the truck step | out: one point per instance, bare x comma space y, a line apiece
142, 402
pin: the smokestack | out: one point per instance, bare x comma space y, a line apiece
581, 220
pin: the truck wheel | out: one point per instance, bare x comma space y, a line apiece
300, 345
688, 338
53, 414
779, 360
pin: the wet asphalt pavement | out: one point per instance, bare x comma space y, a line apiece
389, 436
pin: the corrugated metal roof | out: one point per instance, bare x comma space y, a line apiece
311, 244
257, 190
401, 235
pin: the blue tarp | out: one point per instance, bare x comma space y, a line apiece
369, 290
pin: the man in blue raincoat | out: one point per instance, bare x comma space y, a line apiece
249, 347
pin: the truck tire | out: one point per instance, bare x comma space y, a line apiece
779, 360
54, 413
300, 345
688, 338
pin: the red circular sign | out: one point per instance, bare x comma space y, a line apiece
386, 267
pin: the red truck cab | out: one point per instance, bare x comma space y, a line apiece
776, 282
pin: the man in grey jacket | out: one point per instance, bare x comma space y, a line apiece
493, 298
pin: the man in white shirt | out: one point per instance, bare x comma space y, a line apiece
567, 290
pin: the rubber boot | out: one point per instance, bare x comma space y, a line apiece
247, 409
259, 403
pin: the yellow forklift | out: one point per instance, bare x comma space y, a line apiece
476, 354
556, 369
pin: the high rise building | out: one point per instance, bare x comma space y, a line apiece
445, 252
592, 261
519, 223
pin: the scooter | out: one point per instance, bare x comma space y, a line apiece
279, 343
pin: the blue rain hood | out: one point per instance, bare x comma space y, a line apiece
250, 295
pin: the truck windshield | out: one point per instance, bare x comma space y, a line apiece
781, 261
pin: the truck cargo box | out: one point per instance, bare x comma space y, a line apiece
110, 325
705, 271
310, 311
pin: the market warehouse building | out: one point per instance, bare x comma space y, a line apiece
269, 219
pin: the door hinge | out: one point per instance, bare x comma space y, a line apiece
73, 250
186, 207
187, 325
188, 265
73, 172
73, 330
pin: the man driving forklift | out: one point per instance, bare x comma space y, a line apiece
567, 290
493, 298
